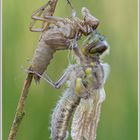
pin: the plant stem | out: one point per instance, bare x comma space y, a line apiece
20, 108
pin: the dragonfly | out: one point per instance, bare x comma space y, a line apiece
90, 86
85, 91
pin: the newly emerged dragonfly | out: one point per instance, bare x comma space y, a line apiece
85, 92
59, 35
90, 86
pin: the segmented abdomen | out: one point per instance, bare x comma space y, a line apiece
41, 58
62, 113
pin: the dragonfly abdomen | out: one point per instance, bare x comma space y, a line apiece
62, 114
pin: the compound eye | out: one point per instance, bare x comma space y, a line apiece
100, 48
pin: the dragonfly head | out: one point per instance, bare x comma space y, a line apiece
95, 46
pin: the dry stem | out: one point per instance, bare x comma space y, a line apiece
20, 108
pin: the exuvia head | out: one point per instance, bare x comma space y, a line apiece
95, 46
89, 19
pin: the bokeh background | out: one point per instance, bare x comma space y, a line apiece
118, 22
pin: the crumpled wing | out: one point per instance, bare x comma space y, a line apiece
86, 117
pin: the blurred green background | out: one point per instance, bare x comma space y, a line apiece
118, 22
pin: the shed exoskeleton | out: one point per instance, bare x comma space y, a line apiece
59, 35
84, 94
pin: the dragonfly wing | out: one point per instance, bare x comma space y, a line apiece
86, 116
79, 119
94, 116
106, 68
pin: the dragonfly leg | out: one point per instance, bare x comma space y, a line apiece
46, 19
61, 80
76, 49
32, 23
37, 16
47, 78
64, 77
58, 83
52, 19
